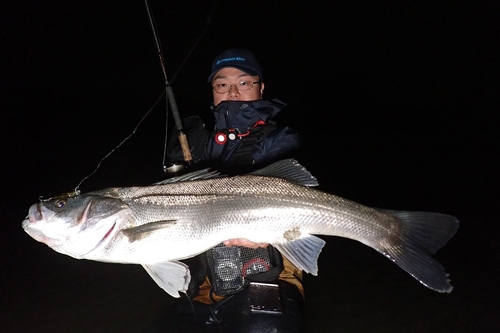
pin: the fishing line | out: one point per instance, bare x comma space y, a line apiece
77, 189
166, 91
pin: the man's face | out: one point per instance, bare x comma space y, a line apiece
233, 76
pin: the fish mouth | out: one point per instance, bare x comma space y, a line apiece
35, 213
34, 225
38, 234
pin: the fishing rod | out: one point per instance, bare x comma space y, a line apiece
174, 168
186, 152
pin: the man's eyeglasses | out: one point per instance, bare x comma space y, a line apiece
222, 88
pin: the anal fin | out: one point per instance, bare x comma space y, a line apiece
303, 252
171, 276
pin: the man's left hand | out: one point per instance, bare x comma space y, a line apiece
245, 243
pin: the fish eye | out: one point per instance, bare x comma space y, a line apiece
60, 203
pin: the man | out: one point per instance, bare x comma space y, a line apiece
245, 137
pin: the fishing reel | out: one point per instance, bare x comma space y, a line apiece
174, 168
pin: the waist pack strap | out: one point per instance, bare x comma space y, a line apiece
272, 274
232, 268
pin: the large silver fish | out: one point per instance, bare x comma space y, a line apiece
157, 225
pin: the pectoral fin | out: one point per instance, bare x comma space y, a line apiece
136, 233
303, 252
171, 276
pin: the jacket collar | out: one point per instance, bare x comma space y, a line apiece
242, 115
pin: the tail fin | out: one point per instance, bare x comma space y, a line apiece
423, 234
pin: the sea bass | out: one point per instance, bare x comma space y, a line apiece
158, 225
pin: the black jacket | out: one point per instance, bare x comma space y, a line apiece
244, 135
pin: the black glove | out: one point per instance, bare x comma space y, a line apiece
197, 137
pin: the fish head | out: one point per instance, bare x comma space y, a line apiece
75, 225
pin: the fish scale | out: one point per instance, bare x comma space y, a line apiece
158, 225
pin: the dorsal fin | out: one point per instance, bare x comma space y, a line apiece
289, 169
195, 175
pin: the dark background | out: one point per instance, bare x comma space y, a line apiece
396, 101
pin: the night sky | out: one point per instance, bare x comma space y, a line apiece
395, 100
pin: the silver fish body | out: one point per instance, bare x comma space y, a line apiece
157, 225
